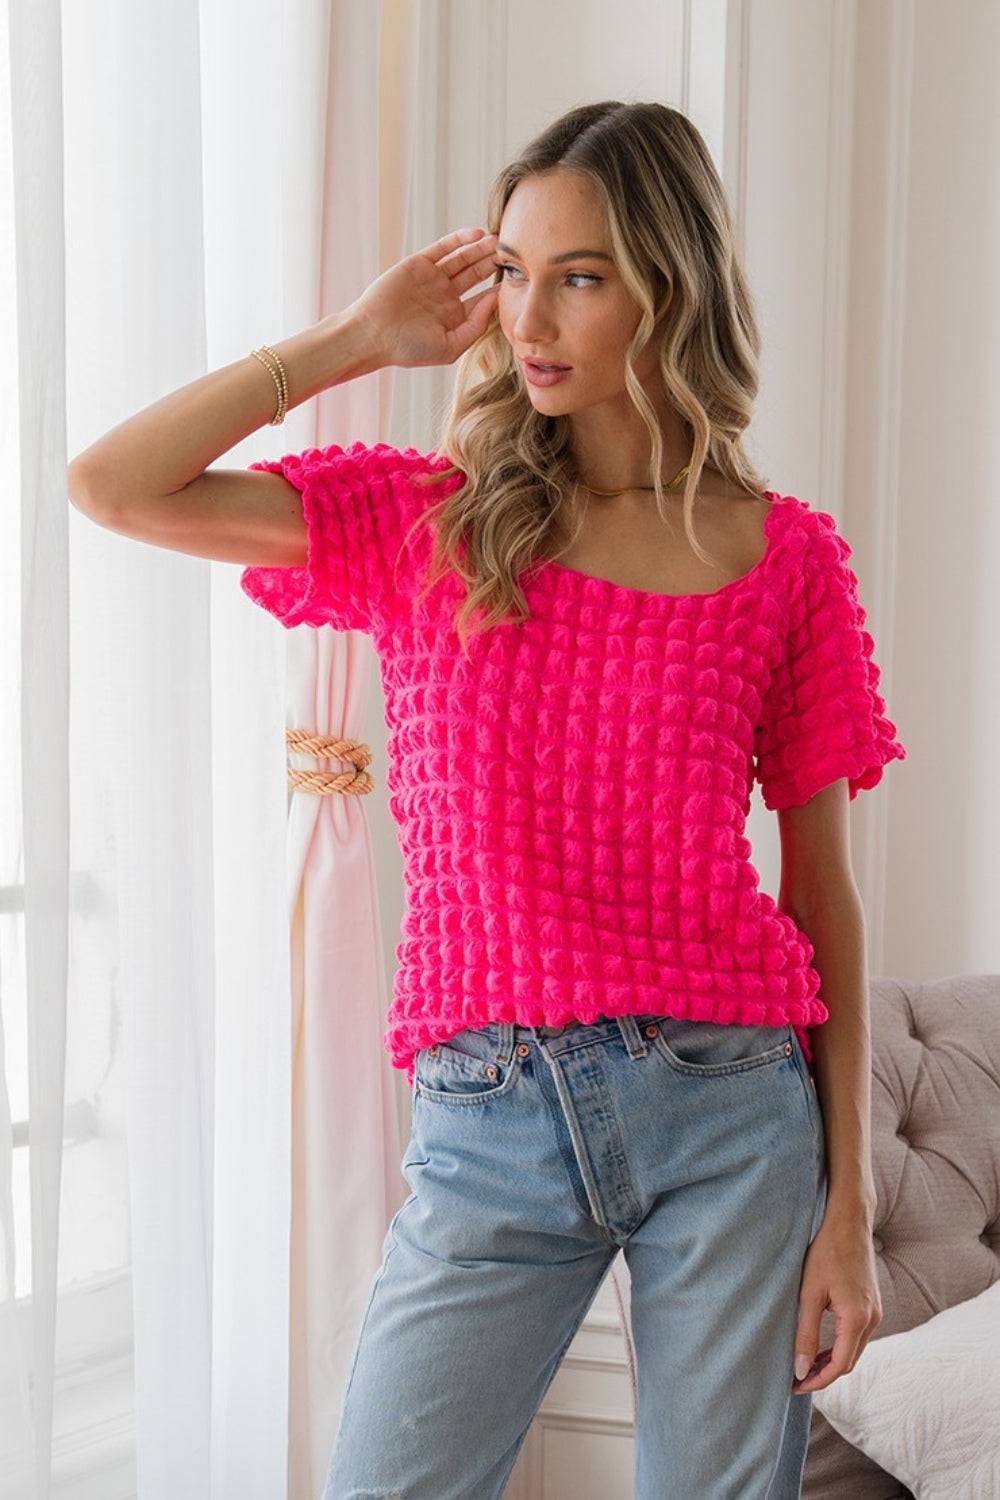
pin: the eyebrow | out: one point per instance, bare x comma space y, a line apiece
555, 260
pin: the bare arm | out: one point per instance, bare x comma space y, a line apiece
148, 477
819, 892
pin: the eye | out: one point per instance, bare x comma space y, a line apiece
571, 275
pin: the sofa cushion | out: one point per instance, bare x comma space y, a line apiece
924, 1404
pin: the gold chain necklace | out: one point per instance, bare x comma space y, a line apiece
677, 477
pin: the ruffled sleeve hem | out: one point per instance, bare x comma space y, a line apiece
824, 718
863, 768
295, 596
354, 503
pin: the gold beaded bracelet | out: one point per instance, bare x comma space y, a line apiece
271, 362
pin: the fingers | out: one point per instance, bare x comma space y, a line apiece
480, 309
468, 241
811, 1380
853, 1333
466, 274
812, 1305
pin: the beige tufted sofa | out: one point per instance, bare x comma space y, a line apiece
936, 1155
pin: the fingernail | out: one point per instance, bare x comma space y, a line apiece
802, 1363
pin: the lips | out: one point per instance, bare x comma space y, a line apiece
538, 364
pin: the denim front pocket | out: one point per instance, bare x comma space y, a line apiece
463, 1070
706, 1048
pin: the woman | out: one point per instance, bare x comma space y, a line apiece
605, 1022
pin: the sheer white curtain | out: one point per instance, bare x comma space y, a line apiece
199, 1141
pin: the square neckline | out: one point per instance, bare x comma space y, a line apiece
591, 582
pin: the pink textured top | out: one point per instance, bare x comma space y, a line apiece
571, 800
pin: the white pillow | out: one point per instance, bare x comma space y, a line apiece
925, 1404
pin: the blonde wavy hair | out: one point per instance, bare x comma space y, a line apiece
673, 242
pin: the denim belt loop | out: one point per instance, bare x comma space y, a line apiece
505, 1041
632, 1036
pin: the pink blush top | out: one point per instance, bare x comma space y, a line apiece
571, 800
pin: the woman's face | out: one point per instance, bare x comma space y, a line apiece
577, 312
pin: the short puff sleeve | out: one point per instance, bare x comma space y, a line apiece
353, 503
822, 716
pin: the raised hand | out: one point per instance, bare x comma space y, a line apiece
414, 311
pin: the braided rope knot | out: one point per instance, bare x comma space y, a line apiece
325, 783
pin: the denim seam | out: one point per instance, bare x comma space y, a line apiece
809, 1099
621, 1154
580, 1150
555, 1370
368, 1307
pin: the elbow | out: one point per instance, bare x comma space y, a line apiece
78, 485
839, 900
86, 492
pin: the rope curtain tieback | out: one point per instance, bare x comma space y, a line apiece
326, 783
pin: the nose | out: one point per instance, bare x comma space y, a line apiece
531, 325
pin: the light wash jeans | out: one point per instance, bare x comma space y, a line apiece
537, 1153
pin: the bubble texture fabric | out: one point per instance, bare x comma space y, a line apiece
571, 799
